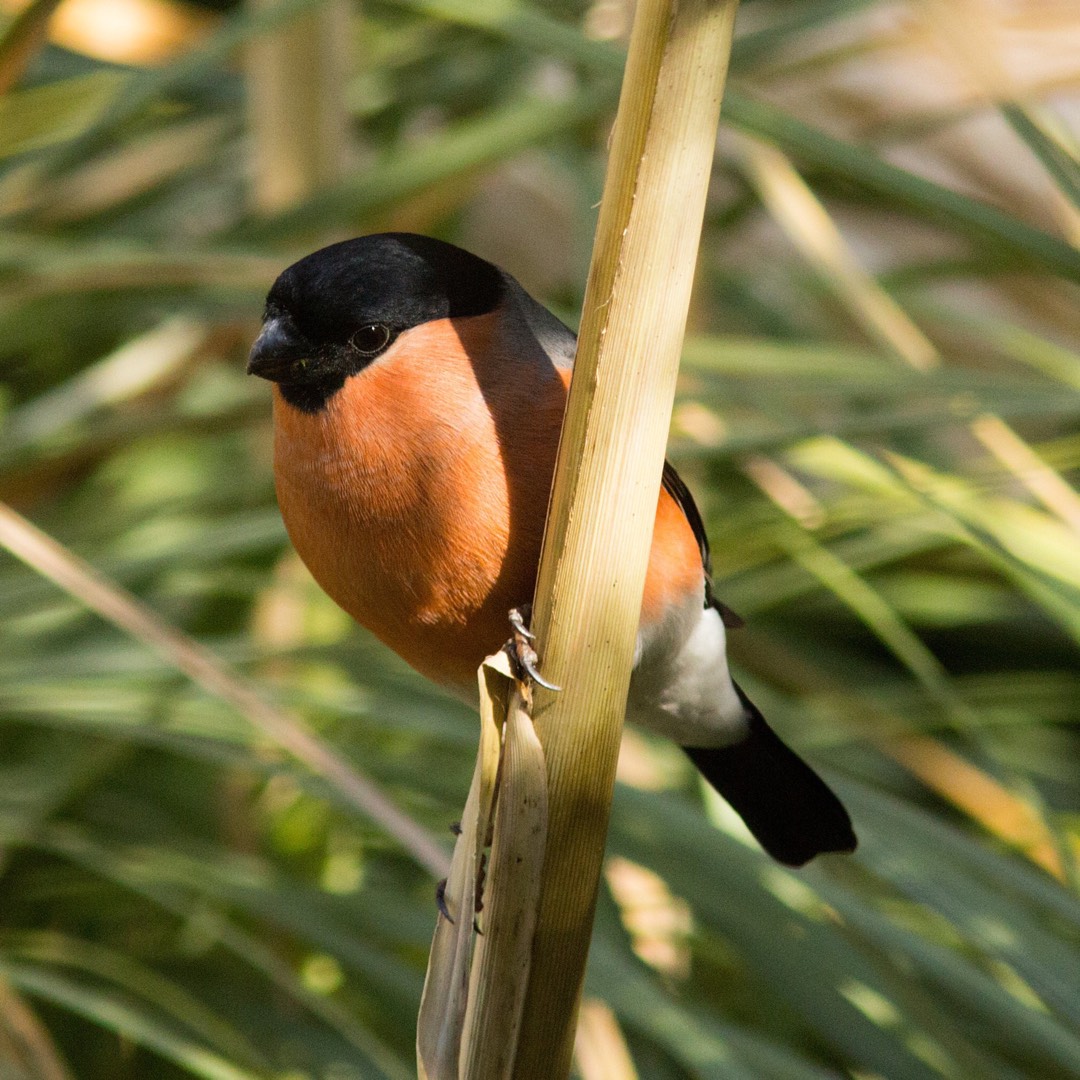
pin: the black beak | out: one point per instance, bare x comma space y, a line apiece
278, 351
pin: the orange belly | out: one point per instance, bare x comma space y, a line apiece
417, 497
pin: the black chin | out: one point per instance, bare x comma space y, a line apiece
312, 397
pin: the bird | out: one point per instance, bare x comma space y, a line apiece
418, 396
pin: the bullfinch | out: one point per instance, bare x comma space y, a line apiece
418, 397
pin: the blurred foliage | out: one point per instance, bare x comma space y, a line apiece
878, 416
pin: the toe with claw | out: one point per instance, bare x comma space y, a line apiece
518, 618
522, 654
440, 901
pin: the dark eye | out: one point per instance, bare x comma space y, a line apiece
370, 339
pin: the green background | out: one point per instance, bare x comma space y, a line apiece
878, 422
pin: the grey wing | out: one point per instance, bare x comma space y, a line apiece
551, 333
559, 342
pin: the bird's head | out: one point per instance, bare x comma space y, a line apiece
339, 309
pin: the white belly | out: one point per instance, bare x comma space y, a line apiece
681, 687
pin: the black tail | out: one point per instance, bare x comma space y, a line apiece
785, 804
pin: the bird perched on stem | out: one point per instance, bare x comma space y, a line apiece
418, 398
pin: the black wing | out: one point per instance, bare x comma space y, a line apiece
674, 486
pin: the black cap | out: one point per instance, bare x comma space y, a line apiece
330, 315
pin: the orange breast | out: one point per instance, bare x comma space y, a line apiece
417, 497
675, 571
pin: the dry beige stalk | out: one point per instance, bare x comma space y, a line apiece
599, 529
592, 573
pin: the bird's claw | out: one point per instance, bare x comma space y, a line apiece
440, 902
517, 622
522, 655
529, 666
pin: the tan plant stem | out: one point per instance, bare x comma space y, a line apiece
599, 530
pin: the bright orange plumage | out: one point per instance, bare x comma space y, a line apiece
429, 532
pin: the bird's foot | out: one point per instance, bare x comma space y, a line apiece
519, 648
